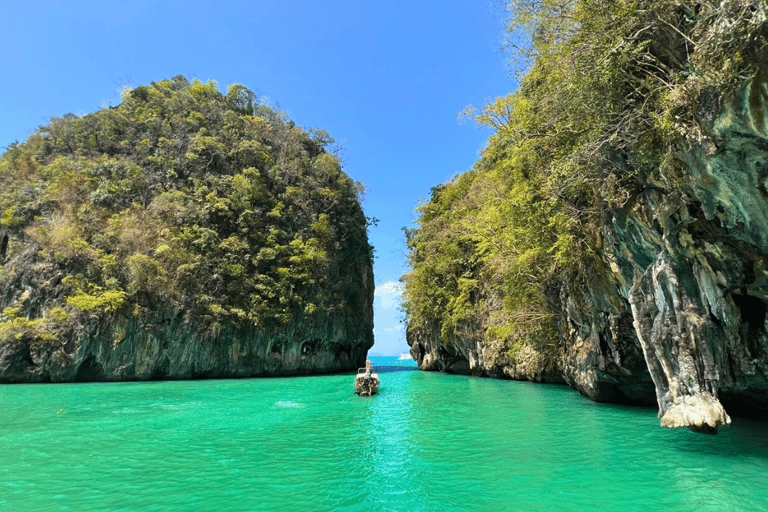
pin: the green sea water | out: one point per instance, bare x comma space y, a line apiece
427, 442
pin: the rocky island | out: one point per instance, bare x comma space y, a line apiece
614, 234
184, 234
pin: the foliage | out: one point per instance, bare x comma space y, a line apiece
216, 204
17, 328
612, 94
107, 302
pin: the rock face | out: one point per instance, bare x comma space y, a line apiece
124, 350
483, 359
679, 312
169, 345
166, 344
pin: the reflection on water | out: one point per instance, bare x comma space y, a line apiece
426, 442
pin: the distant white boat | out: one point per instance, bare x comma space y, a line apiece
405, 357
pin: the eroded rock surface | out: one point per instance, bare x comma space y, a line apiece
168, 345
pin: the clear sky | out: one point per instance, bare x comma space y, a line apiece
385, 79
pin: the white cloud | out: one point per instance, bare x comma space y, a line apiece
389, 294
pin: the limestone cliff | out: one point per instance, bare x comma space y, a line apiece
679, 313
164, 343
690, 271
614, 234
184, 234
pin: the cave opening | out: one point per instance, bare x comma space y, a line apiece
89, 370
752, 311
311, 346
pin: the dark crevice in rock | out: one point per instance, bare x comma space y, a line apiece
202, 374
657, 227
604, 348
715, 321
753, 312
310, 347
89, 371
19, 363
752, 404
3, 247
161, 371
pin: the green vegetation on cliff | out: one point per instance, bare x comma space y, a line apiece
211, 204
615, 91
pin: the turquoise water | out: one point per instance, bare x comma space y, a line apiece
427, 442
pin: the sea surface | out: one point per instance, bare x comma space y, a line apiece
426, 442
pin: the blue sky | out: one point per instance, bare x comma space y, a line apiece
385, 79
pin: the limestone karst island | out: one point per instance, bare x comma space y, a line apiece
184, 234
